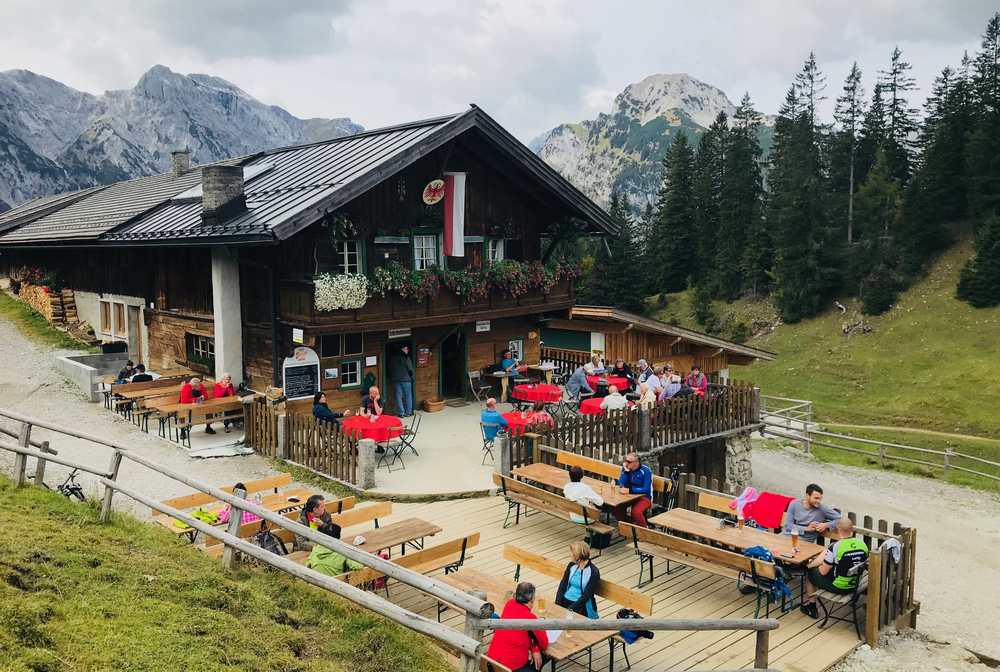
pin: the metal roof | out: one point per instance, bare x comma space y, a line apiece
39, 207
649, 324
299, 185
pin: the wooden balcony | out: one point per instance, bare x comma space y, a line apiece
392, 312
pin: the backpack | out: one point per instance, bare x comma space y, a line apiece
632, 636
269, 542
778, 587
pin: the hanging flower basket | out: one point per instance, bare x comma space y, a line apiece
347, 291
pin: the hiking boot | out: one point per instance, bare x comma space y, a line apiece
809, 609
209, 430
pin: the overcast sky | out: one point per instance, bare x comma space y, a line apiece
530, 63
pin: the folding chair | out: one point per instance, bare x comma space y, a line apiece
480, 388
852, 599
409, 434
488, 443
392, 451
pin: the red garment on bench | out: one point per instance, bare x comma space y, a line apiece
767, 509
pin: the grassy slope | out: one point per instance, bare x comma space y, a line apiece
76, 595
31, 323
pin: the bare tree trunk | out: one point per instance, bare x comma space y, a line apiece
850, 200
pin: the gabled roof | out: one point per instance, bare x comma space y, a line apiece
294, 187
649, 324
40, 207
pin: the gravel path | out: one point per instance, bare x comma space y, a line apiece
958, 539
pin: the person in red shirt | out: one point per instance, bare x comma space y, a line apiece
520, 650
193, 391
223, 388
698, 381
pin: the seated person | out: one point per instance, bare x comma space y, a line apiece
322, 412
581, 493
227, 510
598, 365
223, 388
193, 391
698, 381
636, 478
140, 375
315, 516
838, 570
126, 372
579, 582
622, 370
614, 401
538, 415
330, 562
519, 650
809, 515
508, 363
654, 380
578, 384
490, 415
672, 387
647, 398
371, 404
643, 371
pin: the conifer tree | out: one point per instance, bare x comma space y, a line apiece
873, 135
710, 170
674, 248
612, 280
875, 261
979, 283
849, 113
901, 119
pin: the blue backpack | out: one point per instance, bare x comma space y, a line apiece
779, 588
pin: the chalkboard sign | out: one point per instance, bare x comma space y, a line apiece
301, 374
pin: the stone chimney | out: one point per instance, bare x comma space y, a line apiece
180, 162
222, 193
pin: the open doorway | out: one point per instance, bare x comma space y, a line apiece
453, 369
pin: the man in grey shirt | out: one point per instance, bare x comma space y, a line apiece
809, 515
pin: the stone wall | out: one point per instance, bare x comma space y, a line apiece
739, 469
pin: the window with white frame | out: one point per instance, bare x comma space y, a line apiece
494, 250
350, 373
200, 348
425, 252
349, 256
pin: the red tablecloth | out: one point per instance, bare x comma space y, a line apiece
550, 394
515, 423
592, 406
618, 381
384, 428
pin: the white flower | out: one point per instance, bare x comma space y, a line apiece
347, 291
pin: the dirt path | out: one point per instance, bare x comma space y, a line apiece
958, 549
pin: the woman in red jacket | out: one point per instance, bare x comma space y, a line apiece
223, 388
193, 391
520, 650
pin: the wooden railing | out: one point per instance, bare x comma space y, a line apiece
566, 360
261, 427
478, 612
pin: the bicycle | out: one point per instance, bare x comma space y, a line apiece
675, 477
68, 488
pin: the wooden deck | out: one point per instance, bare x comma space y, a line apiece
797, 646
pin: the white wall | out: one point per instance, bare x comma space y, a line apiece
88, 309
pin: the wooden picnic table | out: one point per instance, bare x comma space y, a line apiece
171, 390
278, 502
408, 531
504, 377
219, 404
557, 477
708, 527
499, 591
547, 369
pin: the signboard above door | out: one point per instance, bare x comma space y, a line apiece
399, 333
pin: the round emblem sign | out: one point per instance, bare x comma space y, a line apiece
433, 192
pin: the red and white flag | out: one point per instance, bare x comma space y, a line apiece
454, 214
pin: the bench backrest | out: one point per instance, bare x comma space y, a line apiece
148, 385
557, 502
363, 514
426, 556
202, 498
555, 569
606, 469
695, 549
717, 503
248, 530
198, 415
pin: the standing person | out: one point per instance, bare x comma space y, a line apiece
809, 515
223, 388
838, 569
401, 378
323, 413
126, 372
371, 404
581, 493
614, 401
647, 398
519, 650
635, 479
579, 582
140, 375
491, 416
577, 383
698, 381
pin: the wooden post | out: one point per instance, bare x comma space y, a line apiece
109, 492
473, 629
644, 441
40, 465
872, 609
761, 651
807, 427
536, 448
503, 445
233, 529
366, 463
281, 431
20, 459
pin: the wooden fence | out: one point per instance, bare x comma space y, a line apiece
566, 360
728, 408
303, 441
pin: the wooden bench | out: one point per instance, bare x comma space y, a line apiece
607, 470
214, 547
184, 421
520, 494
716, 503
448, 556
489, 665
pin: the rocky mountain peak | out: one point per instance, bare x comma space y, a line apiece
657, 95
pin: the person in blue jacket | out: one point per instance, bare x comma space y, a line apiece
322, 412
577, 383
637, 479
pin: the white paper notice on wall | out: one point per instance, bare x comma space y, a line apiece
371, 360
297, 336
482, 325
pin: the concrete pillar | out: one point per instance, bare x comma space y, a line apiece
227, 313
504, 460
366, 464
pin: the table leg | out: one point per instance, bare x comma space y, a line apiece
504, 385
548, 376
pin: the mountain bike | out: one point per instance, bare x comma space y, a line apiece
675, 477
68, 488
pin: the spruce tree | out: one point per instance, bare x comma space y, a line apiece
612, 280
901, 119
710, 170
849, 113
873, 135
875, 261
674, 248
979, 283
